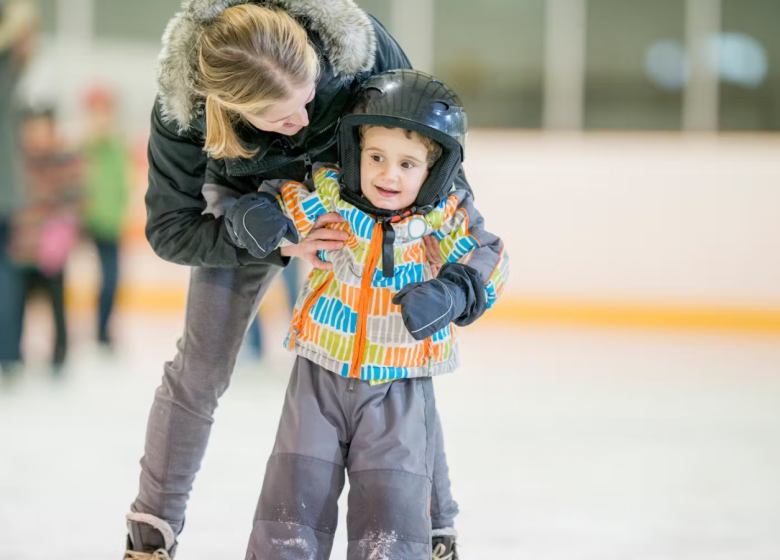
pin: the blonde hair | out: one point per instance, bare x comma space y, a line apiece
250, 58
433, 147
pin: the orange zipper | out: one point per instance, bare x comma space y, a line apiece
307, 306
374, 252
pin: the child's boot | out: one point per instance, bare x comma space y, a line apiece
149, 538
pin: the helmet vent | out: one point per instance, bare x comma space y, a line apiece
440, 107
374, 92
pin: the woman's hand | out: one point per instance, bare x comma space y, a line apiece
432, 254
319, 239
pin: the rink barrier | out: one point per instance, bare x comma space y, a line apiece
511, 309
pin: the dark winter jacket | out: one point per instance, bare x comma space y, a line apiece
352, 45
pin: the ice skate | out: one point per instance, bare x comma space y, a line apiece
444, 546
149, 538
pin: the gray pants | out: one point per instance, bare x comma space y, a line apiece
220, 305
385, 438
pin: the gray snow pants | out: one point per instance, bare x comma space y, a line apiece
221, 303
384, 436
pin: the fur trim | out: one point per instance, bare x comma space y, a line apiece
157, 523
346, 31
445, 532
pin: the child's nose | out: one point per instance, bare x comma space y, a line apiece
390, 173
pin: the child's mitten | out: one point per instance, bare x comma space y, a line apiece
456, 296
256, 223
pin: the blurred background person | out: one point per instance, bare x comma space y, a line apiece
45, 229
107, 196
17, 28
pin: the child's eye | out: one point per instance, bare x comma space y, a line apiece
376, 158
407, 165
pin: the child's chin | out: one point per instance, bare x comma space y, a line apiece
385, 204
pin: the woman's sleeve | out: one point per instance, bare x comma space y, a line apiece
389, 54
176, 226
298, 202
464, 239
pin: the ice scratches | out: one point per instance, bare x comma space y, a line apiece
377, 545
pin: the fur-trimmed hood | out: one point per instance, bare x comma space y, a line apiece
345, 30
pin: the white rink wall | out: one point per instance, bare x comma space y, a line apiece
597, 219
634, 218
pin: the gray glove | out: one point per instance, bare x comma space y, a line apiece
456, 296
256, 223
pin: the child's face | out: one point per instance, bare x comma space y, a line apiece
37, 135
102, 118
392, 168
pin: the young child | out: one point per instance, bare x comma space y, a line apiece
107, 197
45, 230
371, 331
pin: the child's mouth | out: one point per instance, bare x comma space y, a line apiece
387, 193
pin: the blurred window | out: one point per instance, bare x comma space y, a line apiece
380, 9
635, 64
748, 54
47, 10
142, 20
492, 54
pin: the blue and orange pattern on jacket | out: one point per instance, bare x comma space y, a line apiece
344, 319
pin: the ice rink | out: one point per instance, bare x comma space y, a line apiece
564, 444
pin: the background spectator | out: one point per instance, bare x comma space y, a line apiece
45, 230
107, 195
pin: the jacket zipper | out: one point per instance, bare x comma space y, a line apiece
306, 307
261, 156
319, 150
320, 131
374, 252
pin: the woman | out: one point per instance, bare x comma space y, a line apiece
248, 92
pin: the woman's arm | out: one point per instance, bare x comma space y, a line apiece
176, 227
465, 240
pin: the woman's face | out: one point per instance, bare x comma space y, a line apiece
286, 117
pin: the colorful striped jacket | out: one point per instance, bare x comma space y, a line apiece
344, 319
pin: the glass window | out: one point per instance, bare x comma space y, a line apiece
47, 9
749, 64
635, 64
492, 54
136, 19
380, 9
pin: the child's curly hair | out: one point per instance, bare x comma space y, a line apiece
433, 147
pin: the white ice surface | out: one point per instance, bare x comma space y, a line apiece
563, 445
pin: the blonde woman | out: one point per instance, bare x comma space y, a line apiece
249, 91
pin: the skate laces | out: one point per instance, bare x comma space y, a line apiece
439, 553
158, 554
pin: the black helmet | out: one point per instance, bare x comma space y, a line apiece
410, 100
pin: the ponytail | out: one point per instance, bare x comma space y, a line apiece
221, 138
